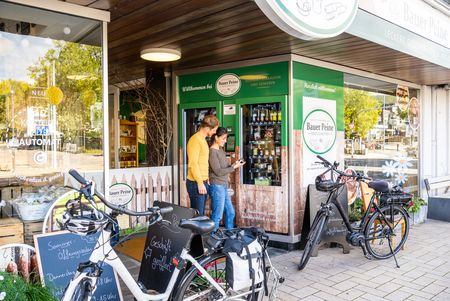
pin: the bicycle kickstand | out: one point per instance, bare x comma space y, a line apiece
393, 254
366, 254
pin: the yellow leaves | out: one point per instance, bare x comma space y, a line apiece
88, 97
54, 95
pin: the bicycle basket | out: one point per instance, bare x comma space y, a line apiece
326, 185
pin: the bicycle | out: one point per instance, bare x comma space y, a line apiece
201, 278
377, 225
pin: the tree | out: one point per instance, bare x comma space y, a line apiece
361, 111
78, 75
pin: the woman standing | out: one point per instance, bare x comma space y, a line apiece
219, 168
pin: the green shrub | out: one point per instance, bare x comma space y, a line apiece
355, 210
14, 288
415, 204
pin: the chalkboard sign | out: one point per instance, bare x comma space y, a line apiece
335, 229
162, 243
59, 254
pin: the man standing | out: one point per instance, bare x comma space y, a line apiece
198, 157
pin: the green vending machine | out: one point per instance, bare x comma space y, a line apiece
251, 103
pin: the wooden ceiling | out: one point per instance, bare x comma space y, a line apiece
210, 32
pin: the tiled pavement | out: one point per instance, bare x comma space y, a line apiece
424, 272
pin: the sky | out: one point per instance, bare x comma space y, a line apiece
18, 52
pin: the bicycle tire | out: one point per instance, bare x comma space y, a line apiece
192, 283
313, 238
377, 231
83, 291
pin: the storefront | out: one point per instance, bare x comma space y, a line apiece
364, 83
369, 123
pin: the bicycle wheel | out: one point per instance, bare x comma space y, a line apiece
313, 238
195, 287
382, 234
83, 291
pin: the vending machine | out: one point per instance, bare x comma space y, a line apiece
262, 182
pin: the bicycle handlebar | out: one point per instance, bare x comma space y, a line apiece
120, 209
333, 167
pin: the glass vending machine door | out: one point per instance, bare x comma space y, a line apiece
261, 148
192, 118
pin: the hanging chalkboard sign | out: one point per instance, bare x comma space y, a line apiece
335, 230
59, 254
163, 242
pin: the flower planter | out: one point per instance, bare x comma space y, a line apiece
418, 217
32, 212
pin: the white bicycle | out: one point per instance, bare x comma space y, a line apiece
201, 278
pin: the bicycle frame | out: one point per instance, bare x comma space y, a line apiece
332, 198
103, 252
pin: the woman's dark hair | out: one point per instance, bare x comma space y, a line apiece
219, 133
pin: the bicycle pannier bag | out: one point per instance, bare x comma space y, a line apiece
245, 260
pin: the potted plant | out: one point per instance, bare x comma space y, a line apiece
14, 287
417, 210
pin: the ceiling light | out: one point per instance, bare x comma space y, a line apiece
160, 54
66, 29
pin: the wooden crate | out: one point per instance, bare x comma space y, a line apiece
30, 229
11, 231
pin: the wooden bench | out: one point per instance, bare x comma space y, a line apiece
439, 203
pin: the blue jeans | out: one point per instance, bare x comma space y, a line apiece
221, 202
197, 200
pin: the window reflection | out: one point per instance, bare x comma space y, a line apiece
381, 130
51, 111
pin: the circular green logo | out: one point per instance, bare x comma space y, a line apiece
120, 194
319, 131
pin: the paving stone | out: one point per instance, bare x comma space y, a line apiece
328, 297
434, 289
443, 296
351, 294
389, 287
370, 291
345, 285
417, 298
397, 295
304, 292
424, 280
285, 297
312, 298
326, 288
417, 293
372, 297
382, 279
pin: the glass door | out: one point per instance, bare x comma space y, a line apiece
191, 117
261, 127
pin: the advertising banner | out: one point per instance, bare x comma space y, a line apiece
319, 135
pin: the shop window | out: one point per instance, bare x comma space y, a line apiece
51, 109
382, 130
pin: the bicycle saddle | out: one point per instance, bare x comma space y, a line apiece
200, 224
379, 186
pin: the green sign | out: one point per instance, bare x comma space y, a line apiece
311, 82
253, 81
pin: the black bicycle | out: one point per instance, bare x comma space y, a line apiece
383, 229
